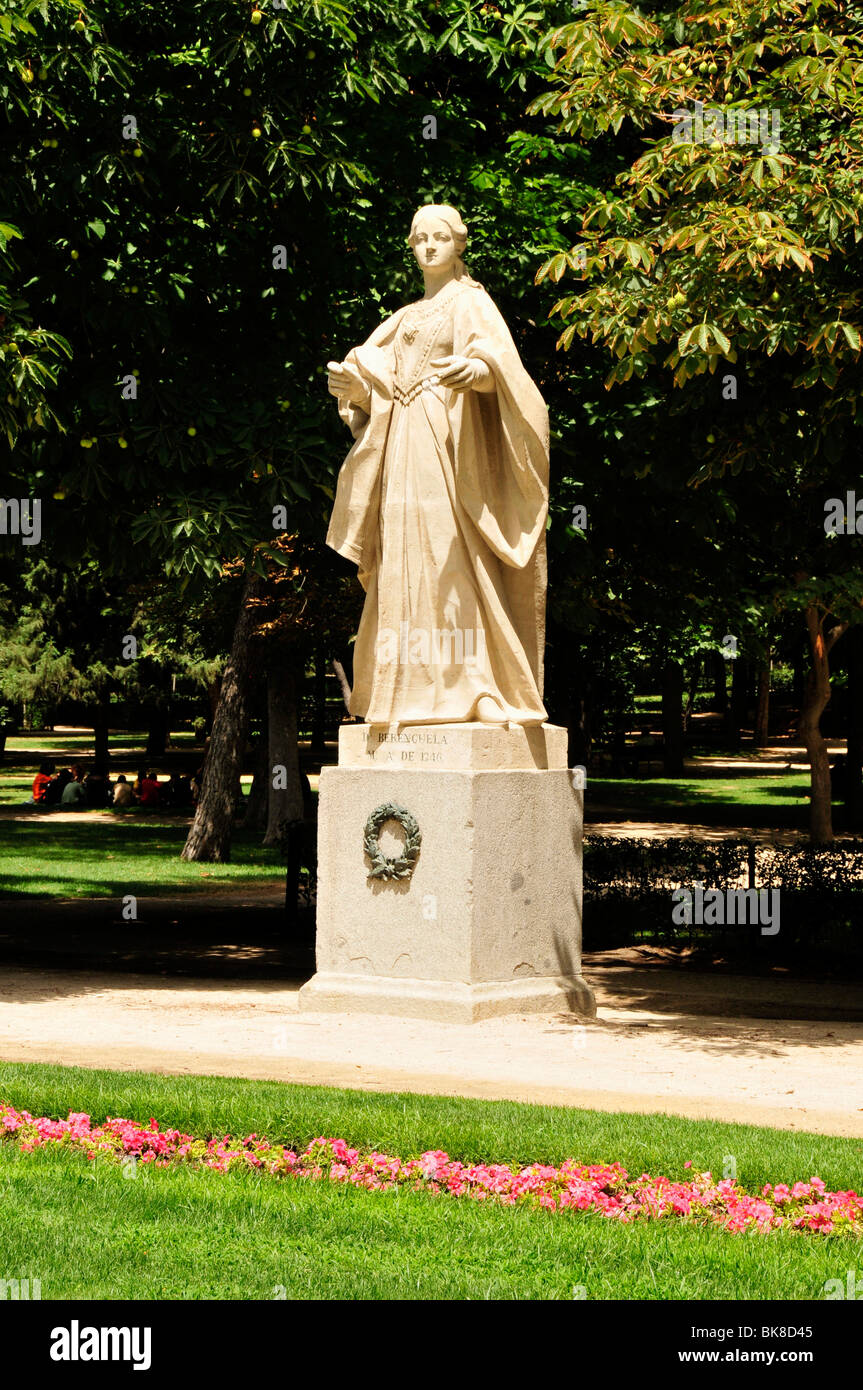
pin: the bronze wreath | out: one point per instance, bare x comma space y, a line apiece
382, 867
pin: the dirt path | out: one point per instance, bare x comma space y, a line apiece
693, 830
664, 1041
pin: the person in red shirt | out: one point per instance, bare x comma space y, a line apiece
41, 780
149, 790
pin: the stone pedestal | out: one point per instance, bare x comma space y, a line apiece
489, 921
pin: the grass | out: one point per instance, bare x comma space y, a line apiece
731, 794
118, 855
88, 1232
34, 742
15, 790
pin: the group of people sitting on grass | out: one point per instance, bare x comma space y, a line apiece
74, 789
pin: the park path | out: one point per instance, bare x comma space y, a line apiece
699, 1046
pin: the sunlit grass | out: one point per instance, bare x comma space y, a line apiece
86, 1231
118, 855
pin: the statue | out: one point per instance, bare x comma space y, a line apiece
442, 503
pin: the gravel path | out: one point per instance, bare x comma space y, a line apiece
702, 1046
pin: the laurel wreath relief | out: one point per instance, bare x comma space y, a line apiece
403, 866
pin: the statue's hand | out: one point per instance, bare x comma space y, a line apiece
464, 373
345, 381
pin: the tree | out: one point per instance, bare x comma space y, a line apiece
210, 835
710, 249
205, 201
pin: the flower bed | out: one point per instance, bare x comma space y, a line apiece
604, 1188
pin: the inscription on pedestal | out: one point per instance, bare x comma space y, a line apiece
422, 746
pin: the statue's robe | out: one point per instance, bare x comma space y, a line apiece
442, 504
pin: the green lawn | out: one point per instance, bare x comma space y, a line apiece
117, 855
88, 1232
35, 744
687, 794
15, 789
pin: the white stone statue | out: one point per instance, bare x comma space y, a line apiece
442, 503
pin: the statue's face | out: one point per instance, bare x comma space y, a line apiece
434, 245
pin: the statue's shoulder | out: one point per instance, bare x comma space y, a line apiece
475, 302
472, 289
472, 296
386, 328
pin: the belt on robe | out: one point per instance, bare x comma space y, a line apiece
428, 383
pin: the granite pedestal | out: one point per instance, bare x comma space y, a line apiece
489, 921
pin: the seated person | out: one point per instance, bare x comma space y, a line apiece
178, 790
98, 789
41, 781
56, 787
74, 794
150, 794
123, 793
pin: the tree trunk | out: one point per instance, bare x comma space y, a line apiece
854, 730
815, 701
283, 765
672, 719
214, 689
210, 835
761, 732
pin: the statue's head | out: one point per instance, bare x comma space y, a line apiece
438, 238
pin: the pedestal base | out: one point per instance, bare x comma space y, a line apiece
489, 920
447, 1001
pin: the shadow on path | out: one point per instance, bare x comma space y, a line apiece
238, 935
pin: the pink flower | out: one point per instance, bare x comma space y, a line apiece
604, 1189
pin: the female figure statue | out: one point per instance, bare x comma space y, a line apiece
442, 503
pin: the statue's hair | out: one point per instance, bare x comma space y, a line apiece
452, 218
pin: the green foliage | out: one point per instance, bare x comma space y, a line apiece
714, 246
223, 266
705, 257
